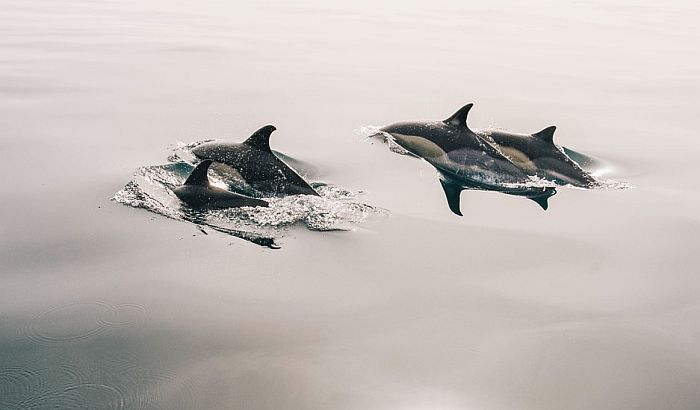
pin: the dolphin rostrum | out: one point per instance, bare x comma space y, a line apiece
255, 162
197, 192
465, 159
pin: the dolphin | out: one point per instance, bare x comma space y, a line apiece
537, 155
465, 159
257, 164
197, 192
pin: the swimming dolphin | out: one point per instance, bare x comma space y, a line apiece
465, 159
197, 191
257, 164
537, 155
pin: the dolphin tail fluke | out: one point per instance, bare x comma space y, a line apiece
452, 193
543, 198
199, 174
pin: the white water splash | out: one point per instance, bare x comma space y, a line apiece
334, 209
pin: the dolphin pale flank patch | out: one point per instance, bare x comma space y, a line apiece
519, 158
426, 148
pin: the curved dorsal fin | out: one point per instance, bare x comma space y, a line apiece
546, 134
261, 138
459, 119
199, 174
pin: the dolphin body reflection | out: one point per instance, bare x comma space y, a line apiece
465, 159
255, 162
198, 192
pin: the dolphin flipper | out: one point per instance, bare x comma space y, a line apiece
542, 198
452, 193
541, 201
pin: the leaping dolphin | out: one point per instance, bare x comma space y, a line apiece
465, 159
257, 164
198, 192
537, 155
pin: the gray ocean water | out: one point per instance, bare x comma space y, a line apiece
592, 304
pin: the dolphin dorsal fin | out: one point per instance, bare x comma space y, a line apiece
199, 174
261, 138
546, 135
459, 119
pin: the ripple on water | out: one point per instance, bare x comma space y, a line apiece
21, 387
123, 314
144, 385
108, 374
81, 320
15, 384
78, 396
98, 377
68, 323
111, 373
182, 392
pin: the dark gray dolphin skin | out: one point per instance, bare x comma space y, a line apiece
464, 159
257, 164
198, 192
537, 155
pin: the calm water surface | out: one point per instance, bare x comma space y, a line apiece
593, 304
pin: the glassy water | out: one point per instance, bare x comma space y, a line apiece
591, 304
